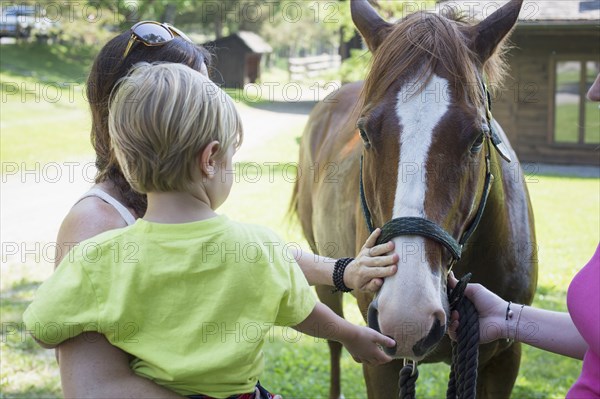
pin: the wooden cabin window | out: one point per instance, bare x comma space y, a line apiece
576, 119
592, 108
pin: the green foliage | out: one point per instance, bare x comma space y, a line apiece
125, 12
305, 27
224, 17
356, 67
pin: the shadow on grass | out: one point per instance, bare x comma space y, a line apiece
47, 63
297, 107
258, 101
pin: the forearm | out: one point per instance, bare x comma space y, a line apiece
363, 343
324, 323
544, 329
365, 273
318, 270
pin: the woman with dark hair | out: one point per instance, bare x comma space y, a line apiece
89, 365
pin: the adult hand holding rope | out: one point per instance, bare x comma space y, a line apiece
500, 319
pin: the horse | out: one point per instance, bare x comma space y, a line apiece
416, 140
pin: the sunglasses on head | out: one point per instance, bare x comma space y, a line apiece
152, 33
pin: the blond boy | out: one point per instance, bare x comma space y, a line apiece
189, 293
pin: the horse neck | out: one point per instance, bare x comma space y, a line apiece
494, 239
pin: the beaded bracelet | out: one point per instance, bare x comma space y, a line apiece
338, 274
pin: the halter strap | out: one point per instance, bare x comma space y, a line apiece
363, 199
489, 179
407, 226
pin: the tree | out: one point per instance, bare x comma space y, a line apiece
223, 17
305, 27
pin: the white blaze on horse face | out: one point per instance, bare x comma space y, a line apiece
419, 110
410, 301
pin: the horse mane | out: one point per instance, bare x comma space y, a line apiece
418, 43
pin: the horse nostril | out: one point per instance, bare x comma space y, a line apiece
435, 334
373, 322
390, 351
440, 316
372, 315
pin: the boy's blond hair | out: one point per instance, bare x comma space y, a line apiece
161, 116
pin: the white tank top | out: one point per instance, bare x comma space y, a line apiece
104, 196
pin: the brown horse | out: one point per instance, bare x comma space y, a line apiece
422, 126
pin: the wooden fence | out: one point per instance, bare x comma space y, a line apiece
309, 67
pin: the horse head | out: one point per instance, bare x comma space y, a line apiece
427, 134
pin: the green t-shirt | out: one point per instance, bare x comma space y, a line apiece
192, 302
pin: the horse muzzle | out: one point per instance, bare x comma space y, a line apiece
420, 348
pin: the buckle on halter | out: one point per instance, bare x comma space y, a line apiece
413, 364
454, 260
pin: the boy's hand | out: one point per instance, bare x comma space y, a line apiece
372, 265
258, 396
364, 346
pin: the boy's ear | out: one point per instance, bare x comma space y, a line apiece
206, 158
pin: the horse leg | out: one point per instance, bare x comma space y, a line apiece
382, 381
335, 303
497, 378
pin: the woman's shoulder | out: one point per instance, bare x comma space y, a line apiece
87, 218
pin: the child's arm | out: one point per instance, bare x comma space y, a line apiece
362, 342
365, 273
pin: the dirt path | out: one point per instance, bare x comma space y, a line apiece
265, 121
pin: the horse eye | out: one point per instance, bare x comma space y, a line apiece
476, 146
365, 138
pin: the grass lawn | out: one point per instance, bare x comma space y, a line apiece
567, 222
44, 113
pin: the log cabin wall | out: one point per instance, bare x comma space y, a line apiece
526, 105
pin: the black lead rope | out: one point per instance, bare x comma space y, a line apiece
462, 382
408, 381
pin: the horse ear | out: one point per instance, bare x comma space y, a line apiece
370, 25
490, 32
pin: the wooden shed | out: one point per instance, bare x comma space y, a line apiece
555, 59
237, 58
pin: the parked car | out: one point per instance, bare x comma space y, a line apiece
17, 20
21, 21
